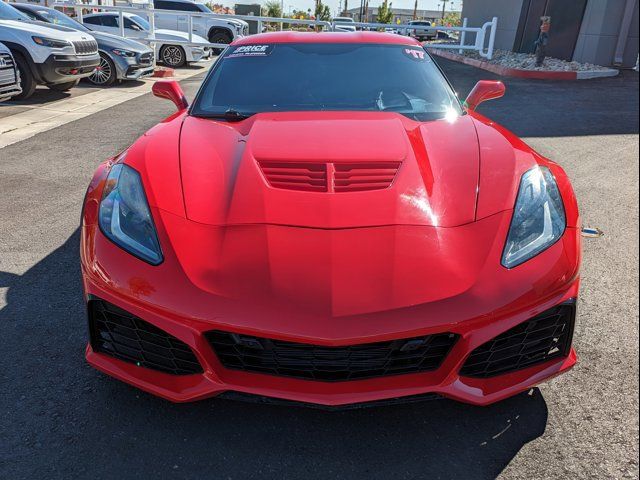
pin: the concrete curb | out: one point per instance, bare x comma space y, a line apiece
163, 72
515, 72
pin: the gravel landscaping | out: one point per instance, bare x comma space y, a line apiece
526, 61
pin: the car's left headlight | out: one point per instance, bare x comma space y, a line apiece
125, 217
123, 53
539, 218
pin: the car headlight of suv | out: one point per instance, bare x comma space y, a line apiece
50, 42
123, 53
539, 218
125, 217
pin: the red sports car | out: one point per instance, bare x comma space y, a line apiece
328, 224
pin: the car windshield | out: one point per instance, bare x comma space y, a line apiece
7, 12
59, 18
343, 20
140, 21
326, 76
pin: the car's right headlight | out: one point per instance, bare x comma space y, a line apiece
124, 215
539, 218
50, 42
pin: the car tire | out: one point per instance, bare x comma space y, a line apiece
63, 87
219, 37
105, 74
173, 56
27, 81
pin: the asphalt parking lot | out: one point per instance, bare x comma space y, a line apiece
62, 419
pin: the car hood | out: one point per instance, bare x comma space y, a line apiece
106, 40
47, 29
250, 172
163, 34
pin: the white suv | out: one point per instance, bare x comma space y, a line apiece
214, 29
57, 57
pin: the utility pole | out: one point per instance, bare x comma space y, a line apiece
444, 5
346, 8
415, 10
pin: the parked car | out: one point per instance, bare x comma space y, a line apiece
120, 58
421, 35
9, 76
291, 236
342, 24
50, 55
135, 26
215, 29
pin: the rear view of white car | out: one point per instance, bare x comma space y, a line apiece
135, 26
343, 24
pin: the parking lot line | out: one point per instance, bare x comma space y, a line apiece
40, 118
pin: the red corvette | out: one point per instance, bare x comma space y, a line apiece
328, 224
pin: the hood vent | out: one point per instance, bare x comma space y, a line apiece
330, 177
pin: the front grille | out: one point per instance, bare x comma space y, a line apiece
330, 364
124, 336
540, 339
262, 400
85, 47
330, 177
146, 58
7, 70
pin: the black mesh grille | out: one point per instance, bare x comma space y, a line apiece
330, 364
117, 333
542, 338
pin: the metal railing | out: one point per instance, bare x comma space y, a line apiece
483, 44
484, 36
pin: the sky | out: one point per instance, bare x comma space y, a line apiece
335, 4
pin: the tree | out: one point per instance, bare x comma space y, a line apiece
385, 13
272, 8
323, 12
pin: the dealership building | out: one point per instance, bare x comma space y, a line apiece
604, 32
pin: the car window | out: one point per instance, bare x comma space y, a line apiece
109, 21
92, 20
327, 76
178, 6
31, 15
140, 21
7, 12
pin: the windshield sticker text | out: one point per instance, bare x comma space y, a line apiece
251, 51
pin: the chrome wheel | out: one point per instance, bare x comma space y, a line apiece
173, 56
103, 72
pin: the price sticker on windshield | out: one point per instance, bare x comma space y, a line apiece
417, 54
251, 51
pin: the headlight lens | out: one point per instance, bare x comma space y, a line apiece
123, 53
51, 42
125, 217
538, 219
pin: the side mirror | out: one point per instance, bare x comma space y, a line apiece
483, 91
171, 91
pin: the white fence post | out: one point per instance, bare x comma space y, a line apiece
492, 37
463, 34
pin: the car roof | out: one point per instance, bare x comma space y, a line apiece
110, 14
326, 37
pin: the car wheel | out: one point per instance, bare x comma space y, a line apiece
27, 82
105, 74
219, 37
173, 56
63, 87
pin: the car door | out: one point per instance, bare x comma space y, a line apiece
167, 21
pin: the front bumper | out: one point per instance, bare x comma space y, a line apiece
66, 68
133, 68
166, 297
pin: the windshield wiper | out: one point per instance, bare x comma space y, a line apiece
230, 115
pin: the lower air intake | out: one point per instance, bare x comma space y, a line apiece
330, 364
540, 339
122, 335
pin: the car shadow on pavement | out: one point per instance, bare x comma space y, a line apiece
62, 419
